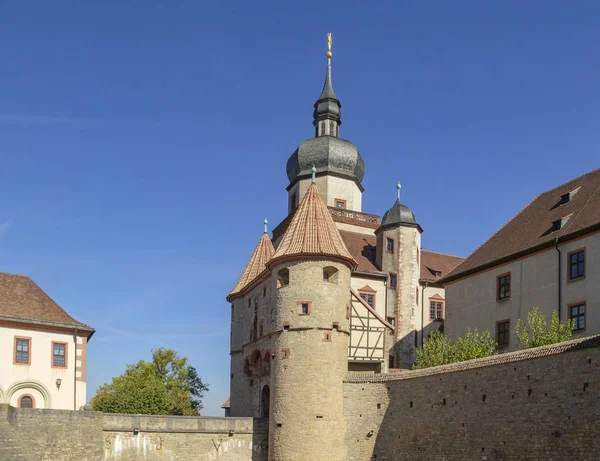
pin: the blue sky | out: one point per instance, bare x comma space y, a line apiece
143, 143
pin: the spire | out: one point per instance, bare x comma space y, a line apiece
398, 186
327, 114
312, 232
265, 222
261, 255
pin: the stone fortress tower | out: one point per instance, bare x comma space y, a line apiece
334, 290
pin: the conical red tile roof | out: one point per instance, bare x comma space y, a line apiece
262, 254
312, 231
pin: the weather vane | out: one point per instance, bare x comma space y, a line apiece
329, 45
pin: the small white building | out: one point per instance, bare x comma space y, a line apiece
547, 256
42, 349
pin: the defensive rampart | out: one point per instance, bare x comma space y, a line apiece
537, 404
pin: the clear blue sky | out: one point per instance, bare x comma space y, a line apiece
143, 143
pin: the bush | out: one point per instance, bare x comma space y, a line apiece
536, 332
438, 350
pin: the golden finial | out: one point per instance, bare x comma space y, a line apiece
329, 46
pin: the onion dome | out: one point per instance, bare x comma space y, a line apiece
312, 232
398, 213
326, 151
262, 254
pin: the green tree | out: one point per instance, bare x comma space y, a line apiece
167, 385
536, 332
439, 350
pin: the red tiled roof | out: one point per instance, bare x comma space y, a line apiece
531, 228
261, 255
432, 262
362, 248
21, 300
312, 231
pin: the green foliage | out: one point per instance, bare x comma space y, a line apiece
438, 350
167, 385
536, 332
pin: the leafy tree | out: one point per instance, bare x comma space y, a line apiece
438, 350
167, 385
536, 332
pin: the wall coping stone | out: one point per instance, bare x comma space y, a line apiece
498, 359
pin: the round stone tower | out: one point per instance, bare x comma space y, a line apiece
311, 269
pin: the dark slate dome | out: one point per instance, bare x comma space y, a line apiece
398, 214
329, 155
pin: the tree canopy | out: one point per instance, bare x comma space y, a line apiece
439, 350
167, 385
536, 332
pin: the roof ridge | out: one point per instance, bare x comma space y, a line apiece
256, 265
443, 254
567, 182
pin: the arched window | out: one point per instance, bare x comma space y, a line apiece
283, 278
26, 401
330, 274
332, 128
265, 401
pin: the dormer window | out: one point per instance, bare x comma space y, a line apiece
566, 198
437, 274
558, 224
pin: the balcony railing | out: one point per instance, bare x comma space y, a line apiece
349, 215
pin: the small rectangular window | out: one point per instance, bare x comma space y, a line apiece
369, 298
22, 350
503, 333
576, 264
305, 308
390, 245
59, 354
393, 281
577, 314
503, 286
391, 321
340, 204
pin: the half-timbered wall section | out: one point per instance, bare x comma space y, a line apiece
368, 331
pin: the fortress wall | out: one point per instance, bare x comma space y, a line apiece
538, 404
59, 435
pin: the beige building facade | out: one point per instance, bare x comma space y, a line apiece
556, 267
44, 350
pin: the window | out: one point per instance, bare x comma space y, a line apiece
261, 327
576, 264
503, 333
22, 350
330, 274
59, 355
327, 337
305, 307
503, 286
341, 204
577, 314
391, 321
437, 274
283, 278
390, 245
368, 295
26, 401
436, 310
264, 292
393, 281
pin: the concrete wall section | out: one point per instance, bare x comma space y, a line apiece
529, 405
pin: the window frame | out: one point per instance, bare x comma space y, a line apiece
339, 200
503, 322
22, 397
504, 275
22, 338
570, 264
579, 304
309, 307
394, 285
387, 247
366, 292
66, 356
437, 301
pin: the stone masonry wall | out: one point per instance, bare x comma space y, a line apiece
58, 435
538, 404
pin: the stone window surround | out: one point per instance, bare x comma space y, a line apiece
26, 395
501, 322
442, 301
66, 366
28, 338
342, 201
580, 277
299, 303
579, 303
498, 298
